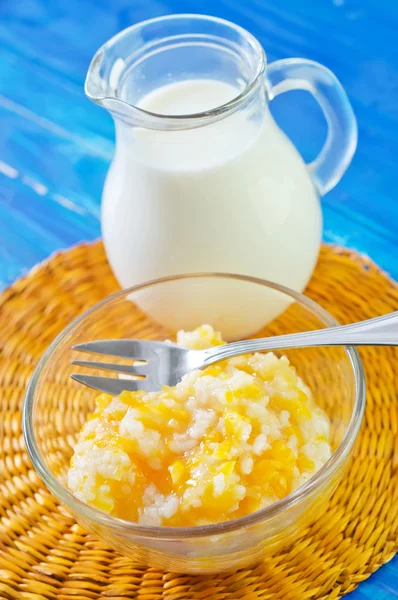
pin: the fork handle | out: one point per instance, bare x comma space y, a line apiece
380, 331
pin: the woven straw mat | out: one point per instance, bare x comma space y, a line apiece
44, 554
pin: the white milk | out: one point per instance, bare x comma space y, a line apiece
232, 197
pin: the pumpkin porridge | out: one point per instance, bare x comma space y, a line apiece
224, 442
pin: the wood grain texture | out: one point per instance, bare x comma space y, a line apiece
55, 146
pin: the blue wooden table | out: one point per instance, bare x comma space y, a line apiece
55, 146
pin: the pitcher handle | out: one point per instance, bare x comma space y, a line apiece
334, 158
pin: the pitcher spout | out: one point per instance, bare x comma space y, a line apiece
106, 84
96, 87
172, 49
101, 86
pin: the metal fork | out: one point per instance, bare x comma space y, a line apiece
166, 363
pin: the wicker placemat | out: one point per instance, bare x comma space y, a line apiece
44, 554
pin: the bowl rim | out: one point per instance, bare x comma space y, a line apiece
90, 513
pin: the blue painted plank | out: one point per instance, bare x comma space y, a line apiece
373, 137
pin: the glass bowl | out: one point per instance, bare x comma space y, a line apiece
56, 408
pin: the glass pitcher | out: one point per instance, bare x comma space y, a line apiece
202, 178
